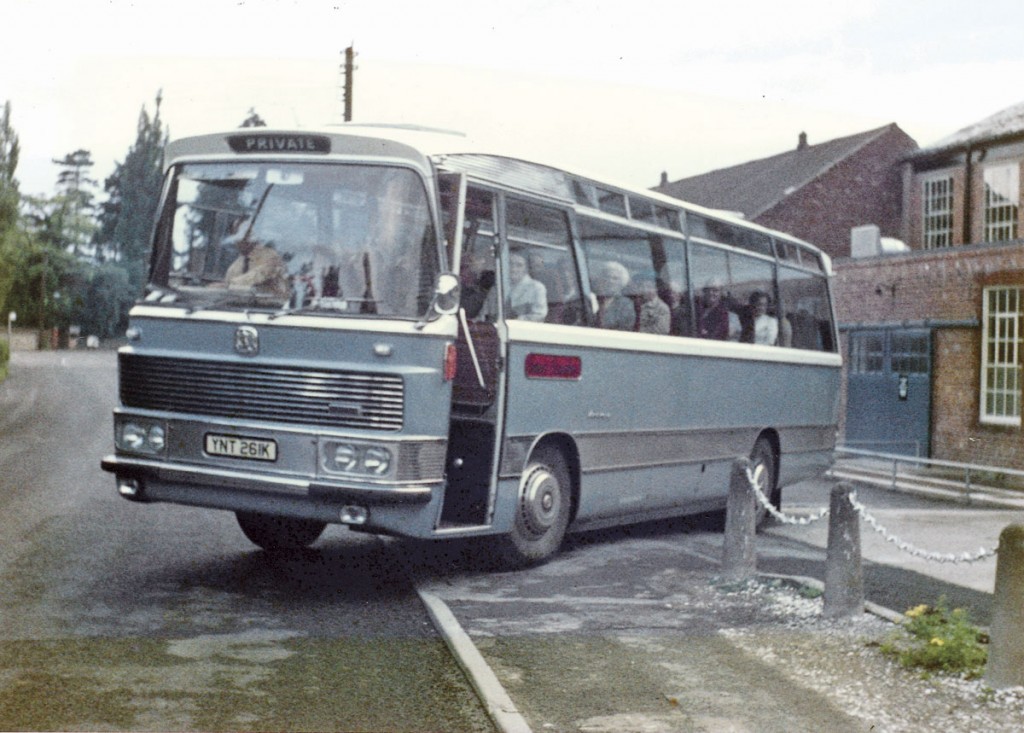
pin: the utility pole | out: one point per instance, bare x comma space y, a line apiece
349, 68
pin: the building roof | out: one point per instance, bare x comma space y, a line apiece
754, 187
1004, 123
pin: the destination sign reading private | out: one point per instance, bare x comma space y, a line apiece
271, 143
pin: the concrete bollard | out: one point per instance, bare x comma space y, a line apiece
1005, 666
844, 574
739, 560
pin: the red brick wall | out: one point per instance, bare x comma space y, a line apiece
940, 285
866, 188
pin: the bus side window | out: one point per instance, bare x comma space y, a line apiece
637, 278
805, 310
548, 290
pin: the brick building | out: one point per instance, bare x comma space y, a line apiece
933, 336
816, 192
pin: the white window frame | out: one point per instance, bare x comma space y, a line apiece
1002, 201
937, 211
1001, 348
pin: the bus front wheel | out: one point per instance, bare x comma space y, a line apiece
542, 511
279, 533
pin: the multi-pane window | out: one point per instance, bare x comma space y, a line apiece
1002, 198
1001, 353
938, 212
909, 353
867, 352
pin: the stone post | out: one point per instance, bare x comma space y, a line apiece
1005, 666
844, 574
739, 560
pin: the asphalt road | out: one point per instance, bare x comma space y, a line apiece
118, 616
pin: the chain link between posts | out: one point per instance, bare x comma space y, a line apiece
940, 557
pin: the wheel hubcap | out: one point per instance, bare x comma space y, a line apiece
539, 501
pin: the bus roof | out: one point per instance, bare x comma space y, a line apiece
426, 147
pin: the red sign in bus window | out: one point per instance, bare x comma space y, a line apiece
553, 366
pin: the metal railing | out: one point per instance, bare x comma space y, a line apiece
915, 470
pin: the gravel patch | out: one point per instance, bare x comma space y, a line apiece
840, 659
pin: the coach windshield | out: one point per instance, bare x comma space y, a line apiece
339, 239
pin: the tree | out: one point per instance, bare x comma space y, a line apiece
76, 198
9, 199
46, 271
9, 151
253, 120
133, 194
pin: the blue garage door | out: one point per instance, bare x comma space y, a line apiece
888, 399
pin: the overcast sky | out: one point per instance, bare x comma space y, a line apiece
623, 89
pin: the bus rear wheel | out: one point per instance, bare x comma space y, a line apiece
542, 511
765, 472
279, 533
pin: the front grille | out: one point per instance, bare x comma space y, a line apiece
342, 399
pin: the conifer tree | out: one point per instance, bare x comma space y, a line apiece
133, 193
9, 200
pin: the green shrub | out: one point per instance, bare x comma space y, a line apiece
5, 355
935, 639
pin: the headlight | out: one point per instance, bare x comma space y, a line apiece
377, 461
355, 459
133, 436
138, 435
156, 437
346, 457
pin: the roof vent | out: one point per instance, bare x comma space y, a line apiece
865, 241
802, 141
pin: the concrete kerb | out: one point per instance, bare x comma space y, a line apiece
496, 700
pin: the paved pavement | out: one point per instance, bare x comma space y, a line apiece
622, 631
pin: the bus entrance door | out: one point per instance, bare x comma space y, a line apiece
472, 437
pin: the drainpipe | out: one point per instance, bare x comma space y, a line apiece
967, 195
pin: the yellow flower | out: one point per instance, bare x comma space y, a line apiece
917, 611
936, 641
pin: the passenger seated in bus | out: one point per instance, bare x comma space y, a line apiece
559, 279
257, 267
759, 327
655, 316
806, 331
477, 282
735, 327
527, 299
679, 307
712, 313
614, 310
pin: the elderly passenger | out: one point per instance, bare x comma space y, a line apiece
527, 299
614, 310
655, 316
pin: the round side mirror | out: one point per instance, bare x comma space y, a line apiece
446, 294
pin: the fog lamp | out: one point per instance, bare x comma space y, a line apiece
354, 514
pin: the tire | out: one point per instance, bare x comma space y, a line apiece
279, 533
764, 468
543, 506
